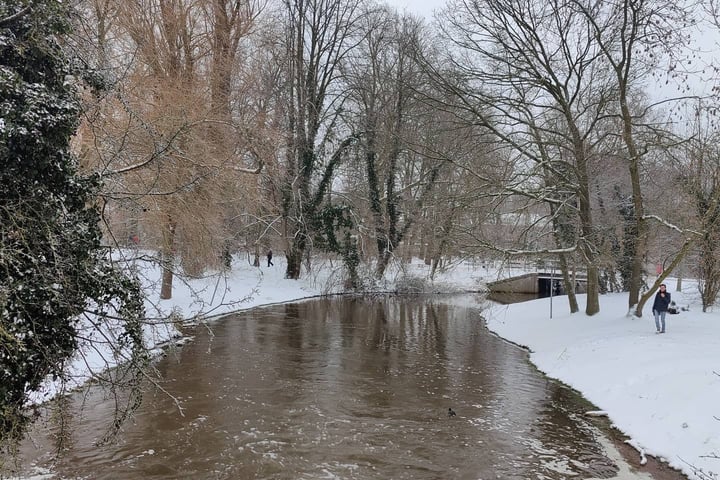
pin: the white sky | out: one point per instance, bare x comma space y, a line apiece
419, 7
706, 43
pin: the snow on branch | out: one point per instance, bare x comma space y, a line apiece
544, 251
14, 16
670, 225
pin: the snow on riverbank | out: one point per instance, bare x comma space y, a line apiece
241, 288
661, 390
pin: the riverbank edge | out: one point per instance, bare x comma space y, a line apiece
658, 468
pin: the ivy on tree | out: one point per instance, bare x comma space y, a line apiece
330, 221
53, 267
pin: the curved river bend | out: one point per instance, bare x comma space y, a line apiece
340, 389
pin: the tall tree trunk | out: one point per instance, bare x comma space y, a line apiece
394, 233
586, 249
636, 272
587, 240
568, 284
381, 238
168, 258
294, 260
442, 242
256, 256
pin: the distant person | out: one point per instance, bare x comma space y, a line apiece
660, 307
269, 257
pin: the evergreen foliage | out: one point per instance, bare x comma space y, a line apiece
629, 241
331, 221
53, 267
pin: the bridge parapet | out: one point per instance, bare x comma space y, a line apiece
539, 283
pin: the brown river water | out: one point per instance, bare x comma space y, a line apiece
342, 388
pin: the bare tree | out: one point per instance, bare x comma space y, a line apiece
633, 37
386, 87
532, 75
167, 140
697, 170
320, 33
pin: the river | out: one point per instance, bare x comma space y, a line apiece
339, 388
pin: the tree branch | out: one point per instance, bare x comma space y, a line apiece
5, 21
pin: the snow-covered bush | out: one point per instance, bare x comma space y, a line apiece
53, 268
411, 285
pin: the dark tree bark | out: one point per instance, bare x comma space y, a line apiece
320, 35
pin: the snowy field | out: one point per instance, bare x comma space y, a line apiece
660, 390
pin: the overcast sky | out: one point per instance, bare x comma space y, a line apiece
419, 7
706, 46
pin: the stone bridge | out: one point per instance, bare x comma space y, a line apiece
541, 284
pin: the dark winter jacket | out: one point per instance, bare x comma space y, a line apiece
661, 303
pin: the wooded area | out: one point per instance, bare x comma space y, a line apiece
505, 129
574, 133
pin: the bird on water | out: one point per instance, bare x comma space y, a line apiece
451, 412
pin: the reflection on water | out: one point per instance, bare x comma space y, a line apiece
341, 388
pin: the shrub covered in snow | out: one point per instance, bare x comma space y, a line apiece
53, 268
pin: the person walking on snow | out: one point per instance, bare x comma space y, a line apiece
269, 257
660, 307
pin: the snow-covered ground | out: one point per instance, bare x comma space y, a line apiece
661, 390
